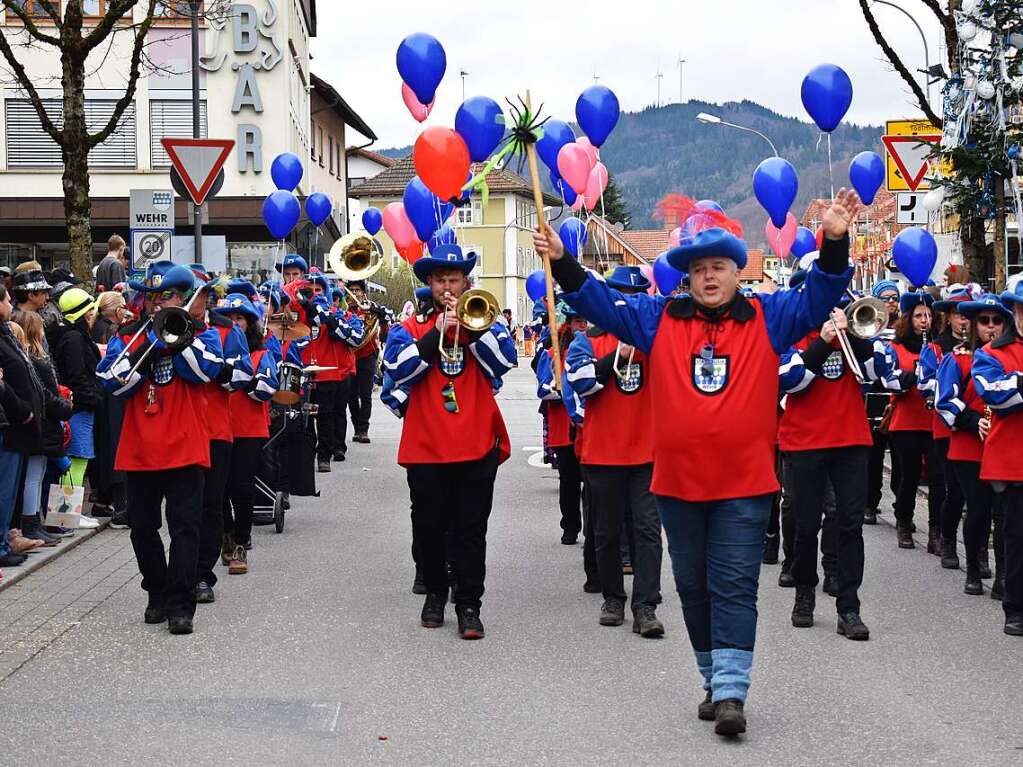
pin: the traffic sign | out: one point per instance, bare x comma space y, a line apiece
150, 245
151, 209
908, 144
198, 161
909, 208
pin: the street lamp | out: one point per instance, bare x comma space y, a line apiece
710, 119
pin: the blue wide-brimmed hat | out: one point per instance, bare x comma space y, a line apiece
710, 243
293, 259
166, 275
988, 302
955, 297
883, 287
910, 301
153, 278
243, 286
1013, 296
236, 303
422, 294
447, 256
627, 278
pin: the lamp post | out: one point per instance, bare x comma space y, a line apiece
710, 119
196, 122
681, 61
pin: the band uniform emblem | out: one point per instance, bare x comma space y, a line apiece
833, 366
631, 379
163, 370
710, 376
452, 362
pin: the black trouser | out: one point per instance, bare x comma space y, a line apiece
168, 579
211, 528
332, 419
569, 489
455, 496
788, 523
360, 398
977, 527
876, 470
952, 508
241, 487
612, 490
1012, 535
911, 447
846, 468
589, 539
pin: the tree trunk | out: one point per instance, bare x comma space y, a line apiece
972, 237
998, 247
77, 202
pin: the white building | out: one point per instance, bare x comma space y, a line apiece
256, 88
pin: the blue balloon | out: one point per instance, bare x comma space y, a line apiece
573, 234
555, 135
318, 207
567, 193
372, 220
775, 185
666, 276
710, 205
281, 212
915, 253
536, 285
480, 122
443, 236
286, 171
421, 64
425, 210
806, 242
596, 111
866, 172
827, 93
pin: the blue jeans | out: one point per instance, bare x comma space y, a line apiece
35, 467
10, 471
716, 549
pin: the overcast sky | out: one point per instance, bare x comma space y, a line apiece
734, 49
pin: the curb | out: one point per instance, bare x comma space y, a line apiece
37, 560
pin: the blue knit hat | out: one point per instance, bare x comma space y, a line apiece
884, 286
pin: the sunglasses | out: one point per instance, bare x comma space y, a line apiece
890, 299
447, 393
167, 295
990, 319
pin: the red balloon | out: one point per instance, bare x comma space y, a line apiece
411, 252
442, 161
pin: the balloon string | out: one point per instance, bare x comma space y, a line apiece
831, 175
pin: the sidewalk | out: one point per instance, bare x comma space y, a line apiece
45, 555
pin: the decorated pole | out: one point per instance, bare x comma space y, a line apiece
534, 173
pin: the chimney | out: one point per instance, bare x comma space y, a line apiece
670, 219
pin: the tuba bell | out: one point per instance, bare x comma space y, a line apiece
477, 309
356, 256
868, 316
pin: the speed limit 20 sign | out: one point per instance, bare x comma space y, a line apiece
150, 245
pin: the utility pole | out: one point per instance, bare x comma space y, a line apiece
659, 77
681, 61
197, 209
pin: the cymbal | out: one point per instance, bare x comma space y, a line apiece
287, 330
316, 369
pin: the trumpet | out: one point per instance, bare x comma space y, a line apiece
173, 325
476, 310
867, 317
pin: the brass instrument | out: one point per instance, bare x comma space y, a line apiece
173, 325
867, 317
477, 310
353, 258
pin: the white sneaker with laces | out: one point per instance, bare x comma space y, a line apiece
88, 523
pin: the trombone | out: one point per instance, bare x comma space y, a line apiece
867, 317
173, 325
477, 310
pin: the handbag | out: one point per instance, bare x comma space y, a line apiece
64, 504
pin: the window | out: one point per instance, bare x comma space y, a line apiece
330, 139
37, 8
175, 9
321, 146
171, 119
312, 148
29, 146
471, 215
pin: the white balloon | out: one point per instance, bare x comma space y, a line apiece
967, 31
985, 89
933, 199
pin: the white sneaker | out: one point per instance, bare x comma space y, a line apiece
88, 523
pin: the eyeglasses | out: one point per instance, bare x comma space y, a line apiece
447, 393
890, 299
990, 319
167, 295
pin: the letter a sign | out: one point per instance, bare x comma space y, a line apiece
198, 161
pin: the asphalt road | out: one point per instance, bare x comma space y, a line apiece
317, 657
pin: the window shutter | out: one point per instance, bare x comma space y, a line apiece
171, 119
118, 150
28, 145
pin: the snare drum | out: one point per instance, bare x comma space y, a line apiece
290, 384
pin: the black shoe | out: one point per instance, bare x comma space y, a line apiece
905, 538
432, 616
204, 593
998, 589
974, 586
985, 568
949, 555
101, 511
155, 614
339, 456
802, 610
323, 465
10, 559
830, 585
870, 517
934, 541
851, 627
179, 624
361, 438
592, 587
469, 624
419, 584
1014, 625
771, 545
120, 520
645, 623
705, 711
785, 579
729, 718
569, 539
612, 612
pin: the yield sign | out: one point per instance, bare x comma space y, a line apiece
910, 153
198, 161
